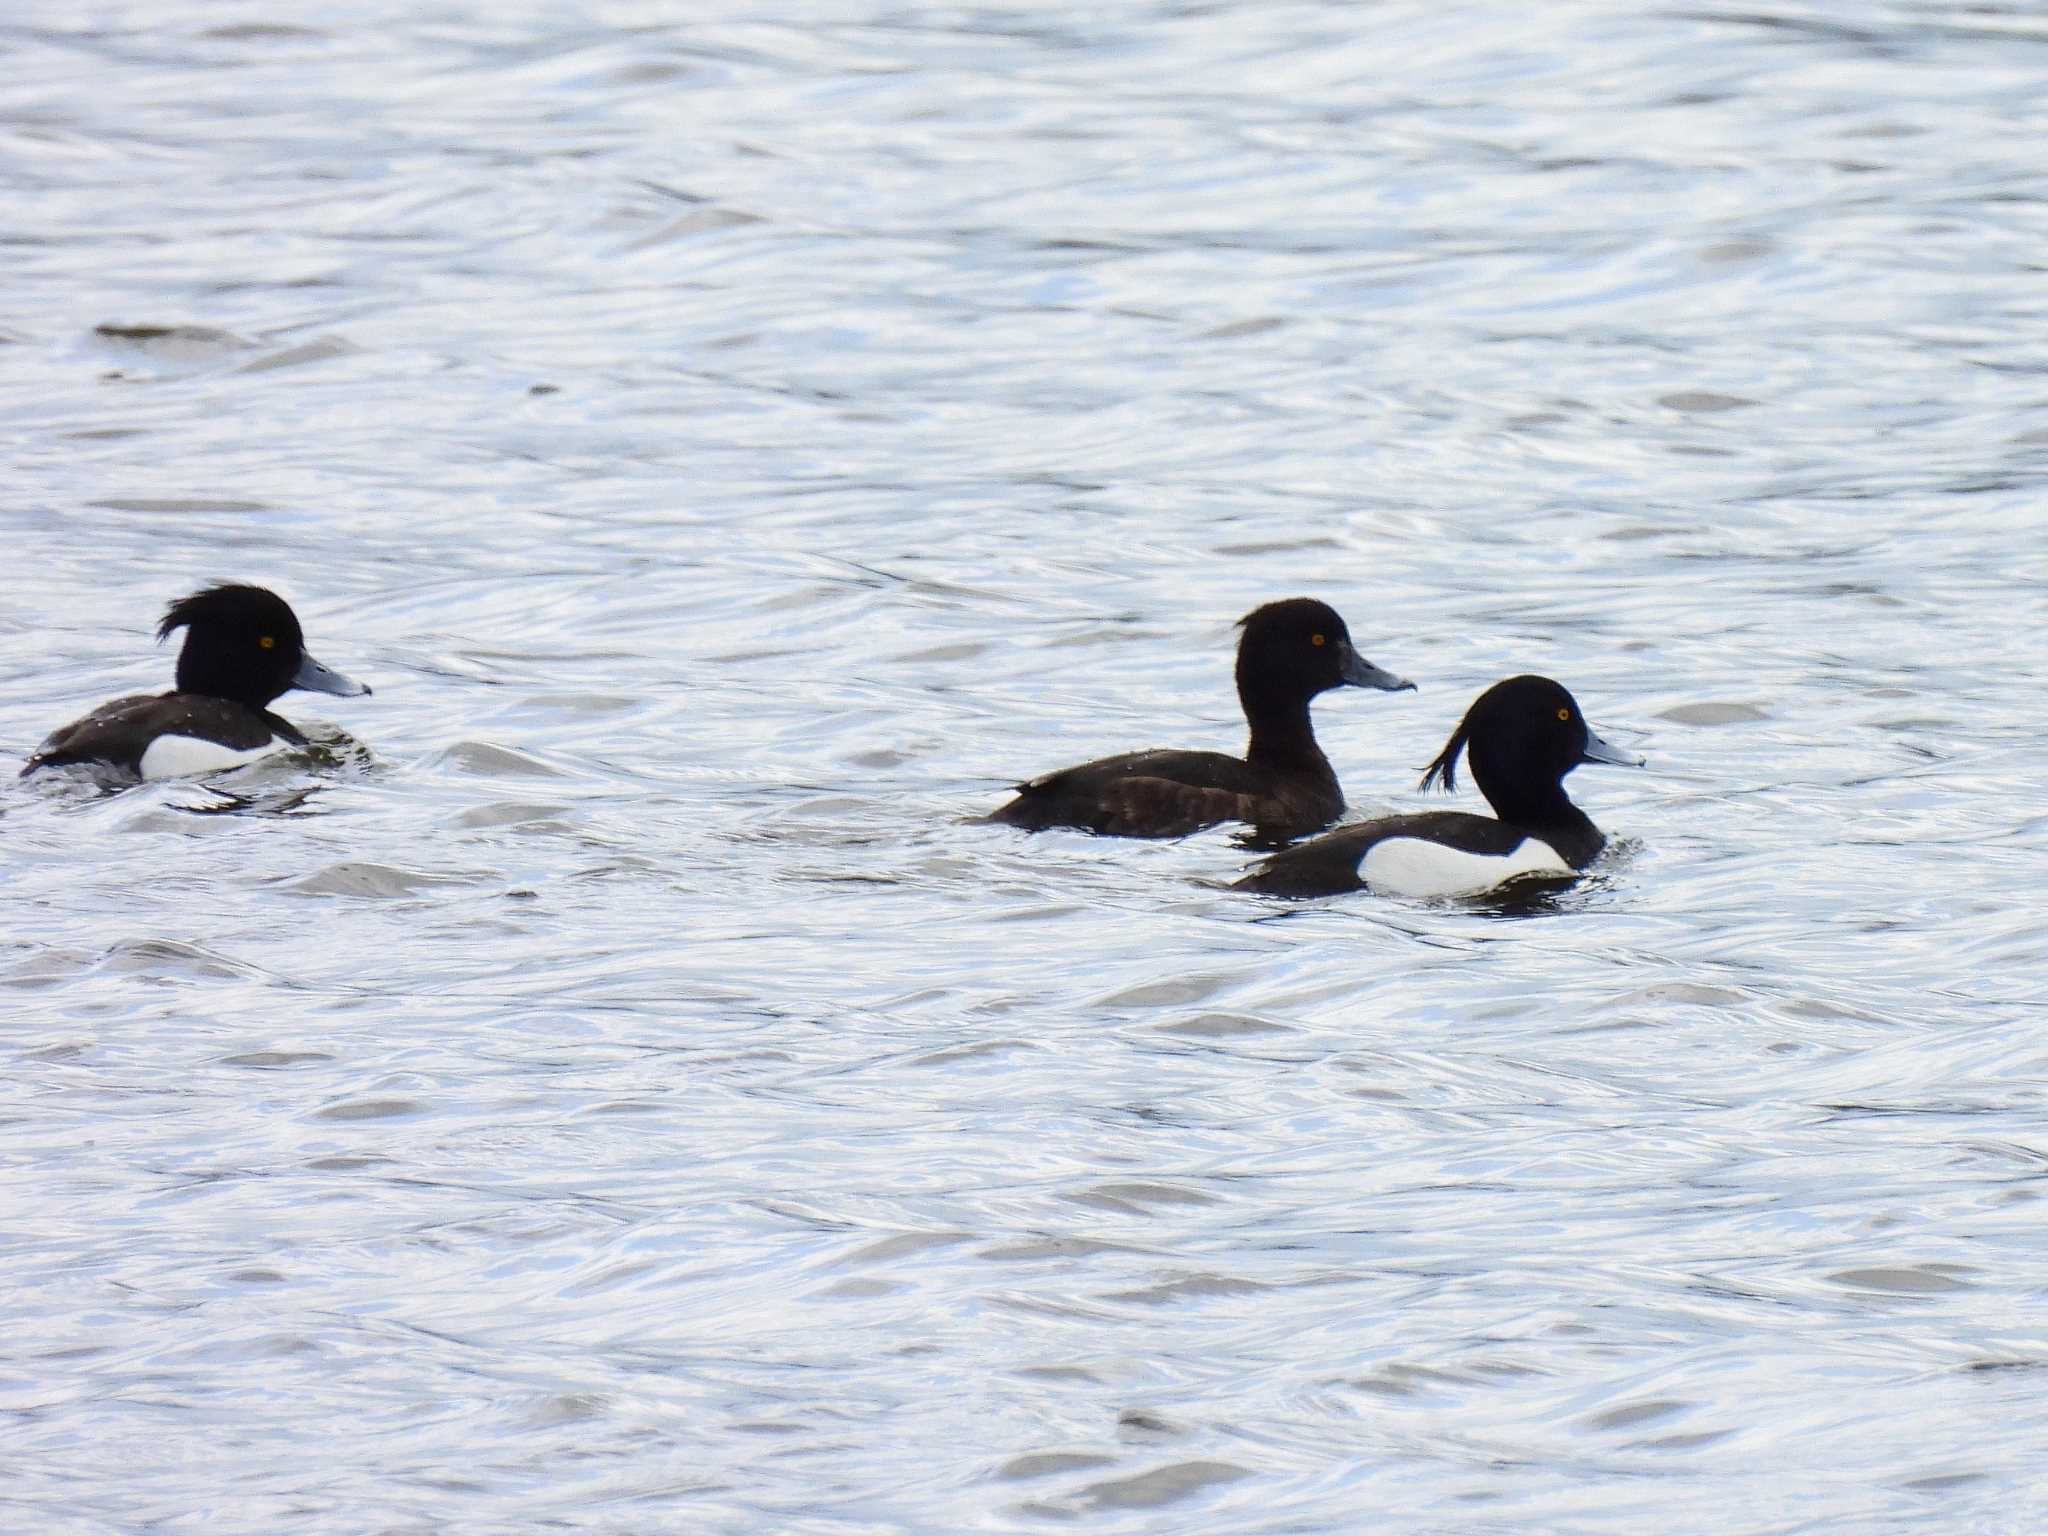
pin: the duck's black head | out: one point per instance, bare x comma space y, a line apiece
1520, 738
1293, 650
245, 644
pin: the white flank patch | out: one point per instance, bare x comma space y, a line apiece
1414, 866
174, 757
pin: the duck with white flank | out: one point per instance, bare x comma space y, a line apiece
1520, 738
243, 647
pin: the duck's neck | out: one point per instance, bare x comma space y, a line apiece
198, 673
1547, 813
1282, 738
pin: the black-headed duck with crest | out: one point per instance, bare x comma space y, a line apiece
1520, 738
243, 647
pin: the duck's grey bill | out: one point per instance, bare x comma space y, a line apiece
315, 678
1360, 673
1598, 751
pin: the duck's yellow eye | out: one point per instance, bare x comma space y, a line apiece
268, 642
1564, 714
1315, 639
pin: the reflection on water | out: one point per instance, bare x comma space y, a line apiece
622, 1092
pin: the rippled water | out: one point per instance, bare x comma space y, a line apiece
621, 1094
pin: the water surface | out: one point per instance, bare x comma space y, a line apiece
611, 1088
